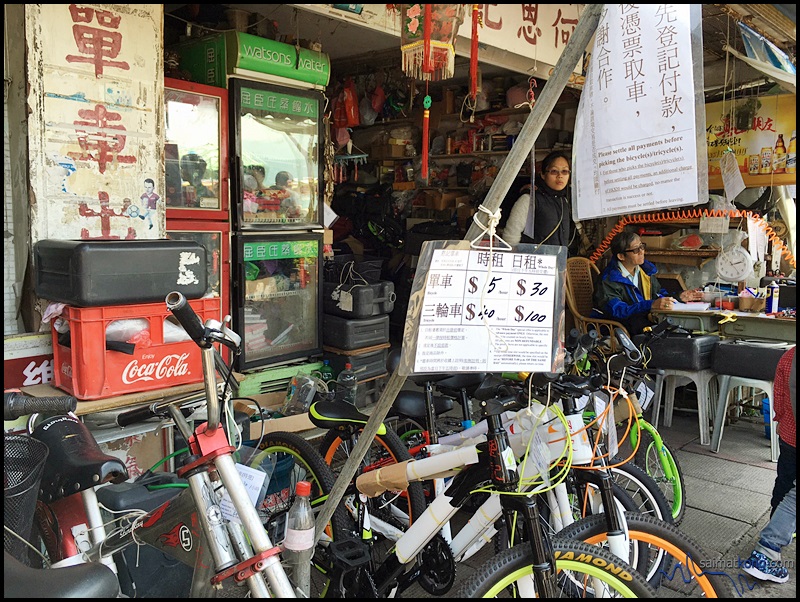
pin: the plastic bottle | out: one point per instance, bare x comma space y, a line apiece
326, 374
791, 154
347, 384
773, 294
299, 543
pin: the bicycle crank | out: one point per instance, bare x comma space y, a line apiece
438, 570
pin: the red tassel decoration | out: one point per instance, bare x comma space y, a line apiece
473, 54
426, 119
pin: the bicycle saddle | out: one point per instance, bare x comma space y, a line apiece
76, 461
338, 415
412, 404
90, 580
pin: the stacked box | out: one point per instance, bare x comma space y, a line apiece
349, 335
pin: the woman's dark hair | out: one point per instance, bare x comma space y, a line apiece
551, 157
622, 242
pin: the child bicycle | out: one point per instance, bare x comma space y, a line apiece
190, 526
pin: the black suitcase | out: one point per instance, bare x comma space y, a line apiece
358, 300
682, 351
93, 273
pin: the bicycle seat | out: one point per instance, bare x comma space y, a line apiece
90, 580
338, 415
452, 385
411, 404
76, 461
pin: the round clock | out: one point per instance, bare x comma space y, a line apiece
734, 264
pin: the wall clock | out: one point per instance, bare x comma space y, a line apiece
734, 264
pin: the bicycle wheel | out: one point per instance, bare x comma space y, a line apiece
289, 458
651, 460
397, 511
643, 489
509, 574
686, 575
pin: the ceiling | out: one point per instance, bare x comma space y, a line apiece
351, 46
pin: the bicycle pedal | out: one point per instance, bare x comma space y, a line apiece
349, 553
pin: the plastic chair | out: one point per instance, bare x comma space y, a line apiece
581, 275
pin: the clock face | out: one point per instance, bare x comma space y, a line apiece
734, 264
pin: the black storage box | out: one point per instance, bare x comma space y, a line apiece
423, 231
358, 300
93, 273
682, 352
347, 268
747, 360
367, 365
345, 334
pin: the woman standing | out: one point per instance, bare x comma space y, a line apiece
547, 219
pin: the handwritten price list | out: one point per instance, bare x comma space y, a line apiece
487, 312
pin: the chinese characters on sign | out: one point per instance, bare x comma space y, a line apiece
96, 96
636, 145
488, 312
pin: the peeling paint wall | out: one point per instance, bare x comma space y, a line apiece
96, 82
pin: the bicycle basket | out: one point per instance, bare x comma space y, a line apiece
23, 465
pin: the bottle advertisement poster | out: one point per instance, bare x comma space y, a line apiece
760, 131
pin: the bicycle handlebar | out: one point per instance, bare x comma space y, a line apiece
187, 318
17, 404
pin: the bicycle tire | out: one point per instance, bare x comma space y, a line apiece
667, 537
648, 459
307, 465
649, 498
503, 574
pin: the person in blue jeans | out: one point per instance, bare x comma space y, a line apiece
765, 562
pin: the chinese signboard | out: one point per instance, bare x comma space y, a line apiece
486, 310
758, 130
637, 146
96, 143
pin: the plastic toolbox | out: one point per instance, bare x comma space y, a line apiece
748, 360
342, 333
367, 364
348, 268
121, 349
94, 273
682, 352
358, 300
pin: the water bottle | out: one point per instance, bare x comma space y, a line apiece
773, 293
347, 384
299, 542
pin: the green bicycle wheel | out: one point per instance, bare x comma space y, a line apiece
652, 460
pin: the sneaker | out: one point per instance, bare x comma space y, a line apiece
762, 567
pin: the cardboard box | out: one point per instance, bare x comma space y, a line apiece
660, 242
290, 424
389, 150
439, 201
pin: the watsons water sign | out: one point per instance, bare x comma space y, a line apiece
275, 58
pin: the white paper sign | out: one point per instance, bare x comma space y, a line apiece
487, 315
636, 139
253, 479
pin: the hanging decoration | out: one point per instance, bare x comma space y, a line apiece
426, 118
427, 35
473, 53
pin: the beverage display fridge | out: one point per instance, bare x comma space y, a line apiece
277, 296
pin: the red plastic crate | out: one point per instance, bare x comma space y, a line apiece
89, 371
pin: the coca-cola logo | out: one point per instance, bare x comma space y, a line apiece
66, 370
168, 366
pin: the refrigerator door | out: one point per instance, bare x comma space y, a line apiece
196, 151
277, 297
276, 150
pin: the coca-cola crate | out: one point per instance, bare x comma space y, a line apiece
89, 366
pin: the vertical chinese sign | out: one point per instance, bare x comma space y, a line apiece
638, 143
96, 81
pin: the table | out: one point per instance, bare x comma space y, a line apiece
746, 325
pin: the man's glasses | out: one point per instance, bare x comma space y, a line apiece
555, 173
640, 249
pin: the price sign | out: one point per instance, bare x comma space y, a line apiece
488, 311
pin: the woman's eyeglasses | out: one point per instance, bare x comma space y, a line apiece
640, 249
555, 173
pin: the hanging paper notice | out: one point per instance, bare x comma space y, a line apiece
488, 312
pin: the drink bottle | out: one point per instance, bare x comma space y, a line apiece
347, 384
326, 374
791, 154
299, 542
779, 156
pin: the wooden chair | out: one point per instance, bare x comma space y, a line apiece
581, 276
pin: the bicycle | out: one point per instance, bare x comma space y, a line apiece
190, 526
389, 575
